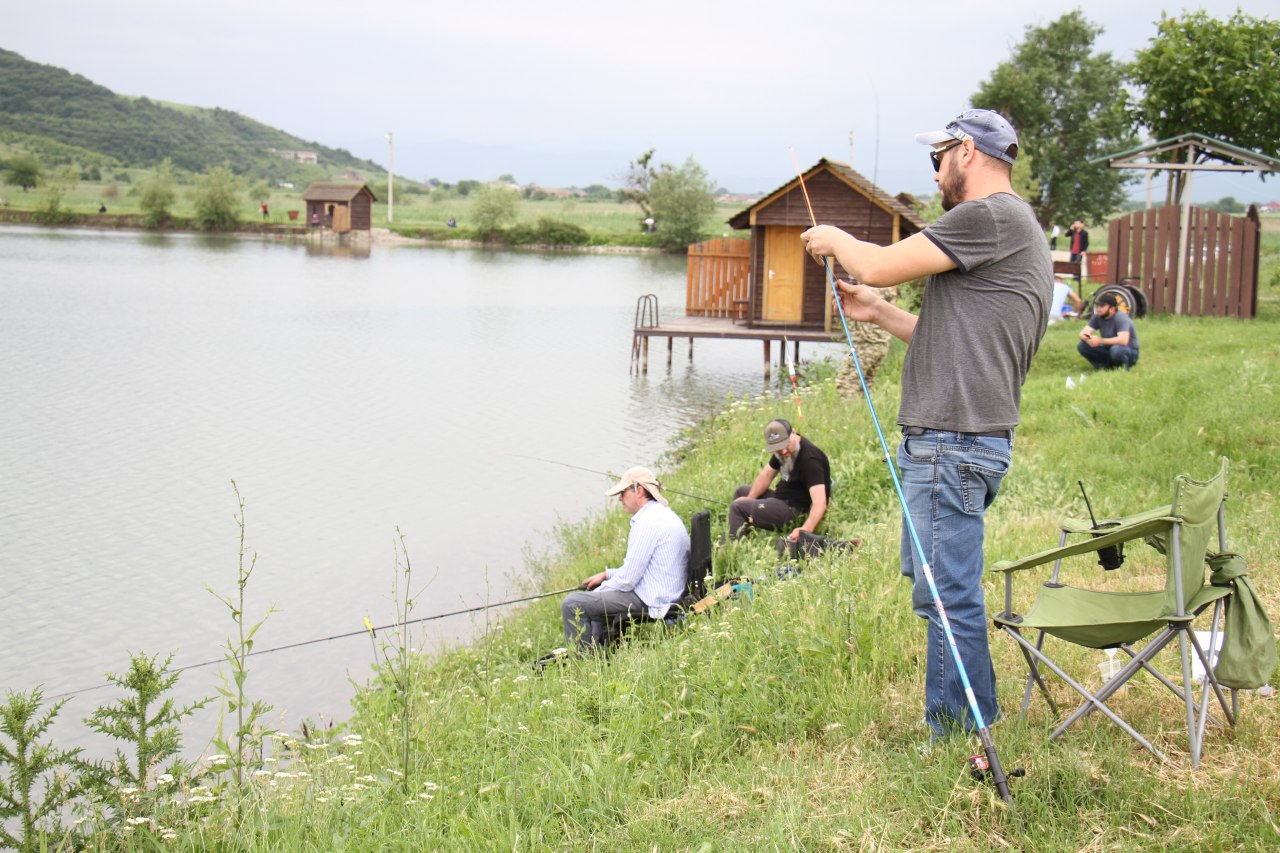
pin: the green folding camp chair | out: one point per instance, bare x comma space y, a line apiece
1183, 533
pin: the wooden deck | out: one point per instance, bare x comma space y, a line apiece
724, 329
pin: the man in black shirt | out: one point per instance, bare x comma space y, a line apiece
805, 486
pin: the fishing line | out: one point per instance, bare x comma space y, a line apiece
614, 476
984, 733
368, 629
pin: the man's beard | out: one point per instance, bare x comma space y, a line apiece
952, 187
787, 465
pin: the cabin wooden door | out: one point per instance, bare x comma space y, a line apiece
783, 275
341, 219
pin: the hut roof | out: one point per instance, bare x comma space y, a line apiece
322, 191
851, 177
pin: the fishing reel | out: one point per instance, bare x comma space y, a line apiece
980, 769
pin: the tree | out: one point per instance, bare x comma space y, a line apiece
1068, 105
637, 181
158, 195
24, 171
63, 180
681, 200
217, 197
1227, 204
492, 207
1218, 78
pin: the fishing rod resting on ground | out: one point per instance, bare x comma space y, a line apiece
610, 474
992, 762
368, 629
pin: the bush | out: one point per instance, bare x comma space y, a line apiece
549, 232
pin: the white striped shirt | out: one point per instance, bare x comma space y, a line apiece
656, 567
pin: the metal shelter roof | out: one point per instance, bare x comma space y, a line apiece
1228, 157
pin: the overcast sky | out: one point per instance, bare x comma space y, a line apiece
568, 91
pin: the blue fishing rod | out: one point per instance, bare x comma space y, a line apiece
978, 768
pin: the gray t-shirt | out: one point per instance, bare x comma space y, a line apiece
981, 323
1119, 322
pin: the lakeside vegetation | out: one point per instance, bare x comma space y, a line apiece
416, 212
789, 719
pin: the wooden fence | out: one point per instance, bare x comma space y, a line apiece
1221, 268
717, 285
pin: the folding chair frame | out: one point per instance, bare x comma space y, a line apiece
1179, 625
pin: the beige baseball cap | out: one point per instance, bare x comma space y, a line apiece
639, 477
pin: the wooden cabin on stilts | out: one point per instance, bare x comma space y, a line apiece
766, 288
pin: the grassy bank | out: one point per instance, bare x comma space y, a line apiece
790, 720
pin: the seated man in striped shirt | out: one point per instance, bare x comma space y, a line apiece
652, 577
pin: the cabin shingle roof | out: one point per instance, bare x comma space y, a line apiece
850, 176
322, 191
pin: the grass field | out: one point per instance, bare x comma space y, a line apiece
791, 719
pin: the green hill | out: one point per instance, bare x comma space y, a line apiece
65, 118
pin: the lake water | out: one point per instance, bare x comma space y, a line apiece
347, 394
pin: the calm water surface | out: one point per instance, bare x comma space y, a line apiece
347, 395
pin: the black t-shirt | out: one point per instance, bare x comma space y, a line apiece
811, 469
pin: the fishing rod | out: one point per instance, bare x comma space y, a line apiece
795, 388
369, 628
979, 768
614, 476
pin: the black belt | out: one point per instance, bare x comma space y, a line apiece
1006, 434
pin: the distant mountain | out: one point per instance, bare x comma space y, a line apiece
63, 117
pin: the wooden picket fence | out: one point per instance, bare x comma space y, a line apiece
1222, 260
717, 283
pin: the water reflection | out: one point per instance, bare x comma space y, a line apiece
338, 246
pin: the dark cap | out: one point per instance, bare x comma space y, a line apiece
776, 435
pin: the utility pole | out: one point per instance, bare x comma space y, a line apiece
391, 191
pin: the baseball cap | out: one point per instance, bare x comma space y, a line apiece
639, 477
776, 435
991, 134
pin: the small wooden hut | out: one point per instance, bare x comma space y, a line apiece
785, 286
339, 207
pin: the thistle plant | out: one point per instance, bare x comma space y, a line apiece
249, 713
143, 719
25, 762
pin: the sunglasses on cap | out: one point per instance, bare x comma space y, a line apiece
935, 155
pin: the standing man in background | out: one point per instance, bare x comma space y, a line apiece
985, 308
1078, 241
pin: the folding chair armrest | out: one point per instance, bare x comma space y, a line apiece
1141, 528
1085, 525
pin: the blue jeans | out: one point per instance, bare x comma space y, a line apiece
949, 479
1108, 356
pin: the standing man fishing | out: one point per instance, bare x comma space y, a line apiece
984, 312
